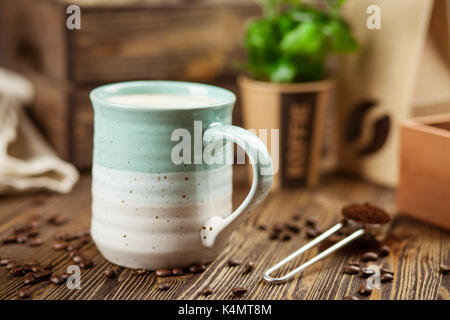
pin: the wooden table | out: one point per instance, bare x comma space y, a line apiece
416, 251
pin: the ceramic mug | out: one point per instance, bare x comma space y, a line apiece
147, 211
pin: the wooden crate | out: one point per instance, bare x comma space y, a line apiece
424, 189
118, 41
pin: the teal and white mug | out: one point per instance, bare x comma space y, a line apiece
149, 211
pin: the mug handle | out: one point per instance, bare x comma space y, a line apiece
218, 228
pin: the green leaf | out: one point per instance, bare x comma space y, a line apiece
340, 37
284, 71
307, 39
260, 39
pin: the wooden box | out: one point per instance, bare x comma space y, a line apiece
118, 41
424, 182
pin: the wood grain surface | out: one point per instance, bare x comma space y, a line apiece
416, 251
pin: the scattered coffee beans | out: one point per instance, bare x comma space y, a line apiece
354, 263
177, 271
17, 271
5, 261
78, 258
385, 270
110, 273
285, 236
364, 290
35, 242
384, 251
367, 272
56, 279
234, 262
386, 277
444, 268
28, 279
57, 220
86, 264
197, 268
163, 272
24, 293
351, 270
312, 233
311, 222
239, 291
207, 291
163, 285
60, 245
249, 266
262, 227
42, 275
292, 227
369, 256
350, 298
139, 271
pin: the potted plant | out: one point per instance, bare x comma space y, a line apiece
287, 84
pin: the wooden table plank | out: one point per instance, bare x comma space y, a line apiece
417, 251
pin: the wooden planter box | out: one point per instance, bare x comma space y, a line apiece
424, 188
118, 41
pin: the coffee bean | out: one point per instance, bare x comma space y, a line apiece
24, 293
78, 258
285, 236
36, 268
354, 263
384, 251
9, 239
74, 246
163, 285
64, 276
4, 261
57, 220
239, 291
367, 272
32, 263
277, 227
42, 275
386, 277
61, 235
296, 217
249, 266
385, 270
11, 264
35, 242
207, 291
28, 279
262, 227
274, 235
110, 273
177, 271
197, 268
369, 256
350, 298
17, 271
312, 233
74, 253
364, 290
351, 270
21, 238
444, 268
85, 239
163, 272
139, 271
56, 279
311, 222
292, 227
60, 245
234, 262
49, 266
86, 264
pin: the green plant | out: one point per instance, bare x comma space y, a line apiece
292, 40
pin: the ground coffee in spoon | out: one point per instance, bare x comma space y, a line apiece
366, 213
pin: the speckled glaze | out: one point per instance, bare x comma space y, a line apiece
148, 212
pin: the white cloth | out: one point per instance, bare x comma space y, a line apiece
26, 160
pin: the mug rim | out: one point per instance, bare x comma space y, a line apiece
102, 93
